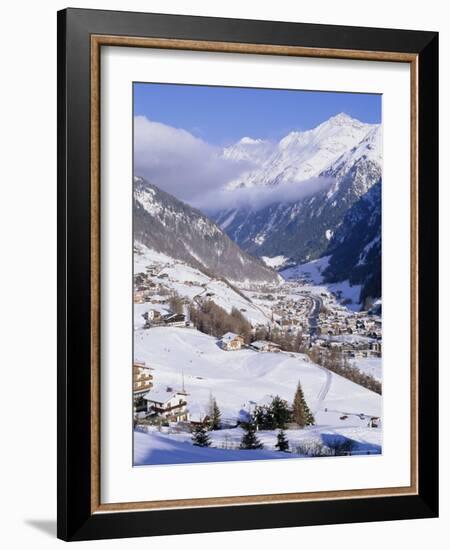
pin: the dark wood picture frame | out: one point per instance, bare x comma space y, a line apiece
81, 34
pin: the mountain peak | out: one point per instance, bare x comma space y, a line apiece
343, 117
344, 121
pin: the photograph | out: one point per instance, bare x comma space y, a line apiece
257, 276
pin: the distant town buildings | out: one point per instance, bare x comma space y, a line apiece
334, 326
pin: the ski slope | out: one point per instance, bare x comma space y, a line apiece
241, 379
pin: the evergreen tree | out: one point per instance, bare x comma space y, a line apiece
263, 418
214, 415
280, 412
282, 442
301, 414
200, 436
249, 439
259, 417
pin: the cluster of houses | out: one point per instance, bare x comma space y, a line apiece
335, 322
354, 348
146, 289
291, 313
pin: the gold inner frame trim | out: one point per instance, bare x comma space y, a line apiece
97, 41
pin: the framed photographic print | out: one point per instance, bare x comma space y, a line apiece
247, 274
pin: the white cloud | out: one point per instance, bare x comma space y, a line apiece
179, 163
197, 172
261, 196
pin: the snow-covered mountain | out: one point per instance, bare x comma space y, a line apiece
347, 155
167, 225
248, 149
300, 155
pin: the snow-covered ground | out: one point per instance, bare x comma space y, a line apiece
370, 365
275, 261
154, 448
191, 283
312, 273
239, 380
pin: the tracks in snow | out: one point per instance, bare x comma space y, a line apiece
323, 392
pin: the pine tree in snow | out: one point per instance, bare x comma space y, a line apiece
249, 439
280, 411
214, 415
200, 436
301, 413
282, 442
263, 418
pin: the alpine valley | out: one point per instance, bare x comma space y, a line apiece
341, 220
257, 326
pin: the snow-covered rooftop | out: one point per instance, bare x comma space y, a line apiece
263, 343
229, 337
160, 396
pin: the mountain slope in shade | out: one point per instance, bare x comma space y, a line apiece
167, 225
355, 249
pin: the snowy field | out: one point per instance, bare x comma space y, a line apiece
312, 273
239, 380
371, 366
155, 448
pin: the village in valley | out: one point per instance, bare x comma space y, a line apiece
220, 368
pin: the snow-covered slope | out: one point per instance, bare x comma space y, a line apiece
169, 226
193, 284
240, 379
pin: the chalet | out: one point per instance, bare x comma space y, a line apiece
231, 341
153, 315
168, 404
265, 346
174, 320
142, 382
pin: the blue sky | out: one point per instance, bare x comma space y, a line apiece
221, 115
